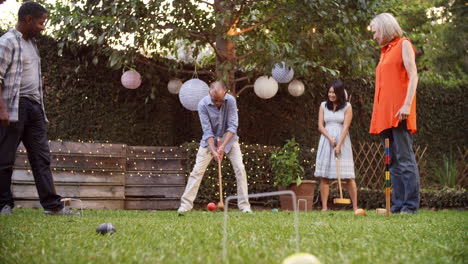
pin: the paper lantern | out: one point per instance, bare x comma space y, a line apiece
131, 79
296, 88
191, 92
281, 73
265, 87
174, 86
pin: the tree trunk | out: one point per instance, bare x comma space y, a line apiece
226, 61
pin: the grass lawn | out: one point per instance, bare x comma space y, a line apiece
28, 236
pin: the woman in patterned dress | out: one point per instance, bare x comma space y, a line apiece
335, 117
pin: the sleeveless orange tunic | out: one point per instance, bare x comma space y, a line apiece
391, 86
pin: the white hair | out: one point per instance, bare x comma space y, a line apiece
388, 27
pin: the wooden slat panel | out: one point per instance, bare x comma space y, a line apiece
87, 203
158, 152
72, 191
151, 203
167, 191
156, 165
78, 162
84, 148
65, 176
158, 179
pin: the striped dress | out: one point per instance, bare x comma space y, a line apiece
325, 164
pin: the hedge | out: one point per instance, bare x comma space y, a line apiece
260, 179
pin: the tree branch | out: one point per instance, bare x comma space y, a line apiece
152, 63
241, 79
237, 16
245, 87
248, 54
184, 71
205, 2
234, 32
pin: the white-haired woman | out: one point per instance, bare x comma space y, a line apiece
394, 111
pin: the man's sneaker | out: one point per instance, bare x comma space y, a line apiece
182, 210
63, 211
6, 210
247, 210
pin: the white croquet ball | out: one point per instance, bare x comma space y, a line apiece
131, 79
265, 87
301, 258
296, 88
191, 93
281, 73
174, 86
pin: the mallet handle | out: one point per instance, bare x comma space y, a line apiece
220, 178
338, 174
387, 177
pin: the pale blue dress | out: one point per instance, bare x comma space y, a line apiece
325, 164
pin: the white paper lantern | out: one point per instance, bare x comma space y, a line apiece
191, 92
296, 88
131, 79
174, 86
265, 87
281, 73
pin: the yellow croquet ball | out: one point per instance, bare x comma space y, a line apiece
301, 258
360, 212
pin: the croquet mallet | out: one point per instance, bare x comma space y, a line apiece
387, 177
220, 177
340, 200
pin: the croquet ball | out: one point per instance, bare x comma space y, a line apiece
301, 258
360, 212
106, 228
211, 206
275, 210
380, 211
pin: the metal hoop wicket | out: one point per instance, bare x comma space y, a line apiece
257, 195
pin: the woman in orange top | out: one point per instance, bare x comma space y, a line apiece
394, 112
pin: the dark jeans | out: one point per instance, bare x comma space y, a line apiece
31, 130
404, 171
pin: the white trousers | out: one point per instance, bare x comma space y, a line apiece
204, 158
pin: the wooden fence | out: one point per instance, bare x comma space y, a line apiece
118, 176
462, 167
107, 176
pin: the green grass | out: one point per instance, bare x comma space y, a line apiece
28, 236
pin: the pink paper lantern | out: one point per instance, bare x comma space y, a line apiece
131, 79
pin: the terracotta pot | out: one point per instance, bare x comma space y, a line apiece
305, 191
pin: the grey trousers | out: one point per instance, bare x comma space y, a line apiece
404, 171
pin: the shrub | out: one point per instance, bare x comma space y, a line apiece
285, 164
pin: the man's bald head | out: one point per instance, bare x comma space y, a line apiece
217, 88
217, 93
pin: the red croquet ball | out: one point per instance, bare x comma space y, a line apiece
211, 206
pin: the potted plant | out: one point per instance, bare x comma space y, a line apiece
288, 175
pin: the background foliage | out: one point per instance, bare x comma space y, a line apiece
85, 100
